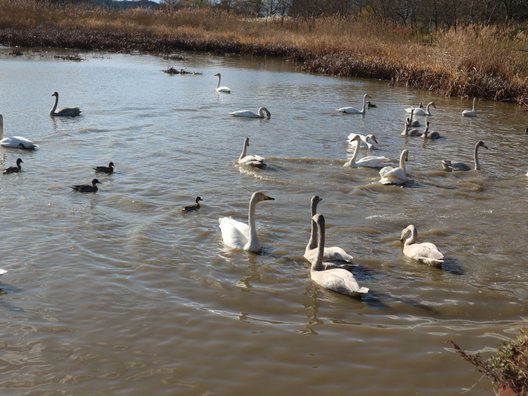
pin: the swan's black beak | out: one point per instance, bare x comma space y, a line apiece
486, 147
268, 198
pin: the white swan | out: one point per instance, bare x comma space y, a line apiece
331, 253
219, 88
14, 141
353, 110
421, 112
252, 160
460, 166
472, 112
409, 132
2, 271
426, 252
238, 235
370, 161
391, 175
262, 112
411, 122
369, 141
336, 279
66, 112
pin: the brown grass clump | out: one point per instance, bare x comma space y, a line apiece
470, 61
508, 367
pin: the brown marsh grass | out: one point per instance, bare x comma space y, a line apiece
483, 61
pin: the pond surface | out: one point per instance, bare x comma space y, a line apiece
119, 293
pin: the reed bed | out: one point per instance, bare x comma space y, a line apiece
483, 61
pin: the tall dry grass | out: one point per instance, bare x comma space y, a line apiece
482, 61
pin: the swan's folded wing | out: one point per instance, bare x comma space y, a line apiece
338, 280
235, 234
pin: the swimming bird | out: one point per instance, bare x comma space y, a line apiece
460, 166
252, 160
86, 188
412, 122
420, 111
66, 112
410, 132
195, 206
238, 235
392, 175
369, 141
219, 88
430, 135
262, 112
370, 105
370, 161
426, 252
14, 141
336, 279
105, 169
331, 253
14, 169
472, 112
353, 110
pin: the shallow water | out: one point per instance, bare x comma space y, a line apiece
120, 293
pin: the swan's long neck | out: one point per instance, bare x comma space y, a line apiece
352, 160
317, 265
55, 105
475, 156
427, 109
244, 149
411, 238
1, 126
474, 99
402, 161
219, 78
364, 104
312, 242
253, 242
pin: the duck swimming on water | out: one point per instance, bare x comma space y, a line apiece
193, 207
86, 188
105, 169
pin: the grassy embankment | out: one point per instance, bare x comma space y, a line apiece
487, 62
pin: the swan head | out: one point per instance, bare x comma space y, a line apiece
409, 229
260, 196
315, 201
95, 181
431, 104
55, 94
246, 142
373, 137
218, 75
405, 155
198, 199
19, 161
356, 138
480, 143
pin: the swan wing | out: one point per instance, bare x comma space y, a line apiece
68, 112
338, 280
425, 252
469, 113
244, 113
331, 253
392, 176
252, 160
349, 110
223, 89
235, 234
372, 161
2, 271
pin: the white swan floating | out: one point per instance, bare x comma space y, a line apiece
472, 112
426, 252
262, 112
335, 279
420, 111
2, 271
18, 142
369, 141
219, 88
331, 253
353, 110
238, 235
66, 112
392, 175
370, 161
251, 160
460, 166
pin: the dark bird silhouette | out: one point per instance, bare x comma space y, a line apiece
196, 206
86, 188
105, 169
14, 169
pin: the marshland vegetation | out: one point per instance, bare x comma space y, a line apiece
484, 60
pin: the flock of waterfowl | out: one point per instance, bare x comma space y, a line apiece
328, 264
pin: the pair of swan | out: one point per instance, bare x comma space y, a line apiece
461, 166
87, 188
353, 110
262, 112
193, 207
66, 112
420, 111
15, 141
105, 169
370, 161
336, 279
395, 175
238, 235
472, 112
369, 141
252, 160
219, 88
14, 169
332, 253
425, 252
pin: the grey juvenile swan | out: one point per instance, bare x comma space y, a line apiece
460, 166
